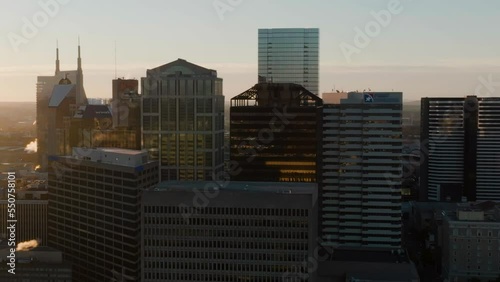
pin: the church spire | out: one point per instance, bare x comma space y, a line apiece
57, 58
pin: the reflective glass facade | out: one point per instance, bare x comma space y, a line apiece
290, 55
275, 130
183, 121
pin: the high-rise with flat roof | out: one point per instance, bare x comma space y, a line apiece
362, 170
290, 55
275, 132
242, 231
94, 211
183, 120
471, 242
459, 140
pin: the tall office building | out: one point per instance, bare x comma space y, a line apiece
459, 140
183, 120
275, 130
50, 94
244, 231
92, 126
470, 242
362, 170
290, 55
126, 105
31, 213
94, 211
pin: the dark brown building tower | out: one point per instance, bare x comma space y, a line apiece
275, 130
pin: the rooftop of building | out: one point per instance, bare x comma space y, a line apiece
40, 257
116, 151
38, 249
331, 99
367, 264
431, 206
180, 67
115, 156
270, 187
486, 211
365, 254
269, 94
293, 29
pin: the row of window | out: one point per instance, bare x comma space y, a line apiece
234, 275
169, 235
218, 211
253, 223
181, 251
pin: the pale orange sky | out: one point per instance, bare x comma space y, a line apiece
429, 48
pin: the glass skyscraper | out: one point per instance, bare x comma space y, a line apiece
275, 128
290, 55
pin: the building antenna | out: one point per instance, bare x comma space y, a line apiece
115, 60
57, 57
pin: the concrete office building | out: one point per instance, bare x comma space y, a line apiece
290, 55
183, 120
361, 170
471, 242
94, 211
363, 264
42, 264
31, 214
239, 231
275, 133
459, 139
126, 109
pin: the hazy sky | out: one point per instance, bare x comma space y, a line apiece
428, 48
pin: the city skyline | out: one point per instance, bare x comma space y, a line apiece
443, 62
238, 141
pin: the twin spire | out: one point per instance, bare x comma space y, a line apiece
79, 60
81, 98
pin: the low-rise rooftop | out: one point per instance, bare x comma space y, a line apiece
272, 187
